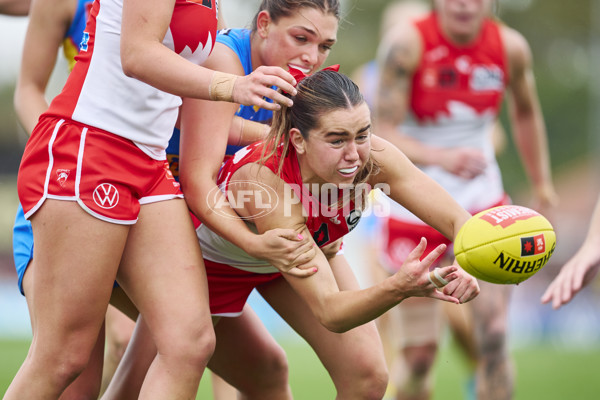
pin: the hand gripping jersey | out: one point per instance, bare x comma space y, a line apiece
238, 40
325, 229
455, 99
99, 94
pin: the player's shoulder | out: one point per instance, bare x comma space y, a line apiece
223, 58
387, 157
516, 46
401, 44
406, 34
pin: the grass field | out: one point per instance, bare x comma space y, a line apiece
543, 373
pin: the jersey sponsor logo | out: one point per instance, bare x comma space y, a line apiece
83, 46
353, 219
448, 78
62, 175
486, 78
506, 216
106, 196
321, 235
530, 246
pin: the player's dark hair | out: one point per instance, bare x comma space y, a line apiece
284, 8
318, 94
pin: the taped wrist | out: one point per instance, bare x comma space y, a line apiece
221, 86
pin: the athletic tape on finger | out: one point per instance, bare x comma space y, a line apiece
436, 279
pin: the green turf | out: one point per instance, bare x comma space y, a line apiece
543, 372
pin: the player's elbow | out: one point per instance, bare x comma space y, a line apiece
132, 60
129, 64
333, 325
331, 321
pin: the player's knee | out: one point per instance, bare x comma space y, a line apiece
204, 347
193, 350
116, 346
276, 367
68, 366
369, 380
69, 358
269, 374
373, 384
420, 359
493, 343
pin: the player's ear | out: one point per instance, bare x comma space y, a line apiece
297, 140
263, 22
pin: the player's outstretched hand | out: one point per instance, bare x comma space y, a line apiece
251, 89
465, 287
286, 250
414, 279
573, 276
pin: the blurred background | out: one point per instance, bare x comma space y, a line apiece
565, 41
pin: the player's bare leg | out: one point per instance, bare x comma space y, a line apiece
119, 328
163, 272
495, 372
66, 319
354, 359
249, 359
420, 331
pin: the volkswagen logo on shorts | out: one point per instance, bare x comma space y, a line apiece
106, 195
261, 199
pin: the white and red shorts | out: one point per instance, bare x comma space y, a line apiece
400, 237
109, 176
229, 287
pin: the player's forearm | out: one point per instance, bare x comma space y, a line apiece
532, 143
244, 132
345, 310
209, 205
18, 8
593, 236
30, 103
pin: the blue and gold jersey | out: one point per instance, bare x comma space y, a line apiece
74, 34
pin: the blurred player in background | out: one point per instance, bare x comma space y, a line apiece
442, 82
580, 270
396, 13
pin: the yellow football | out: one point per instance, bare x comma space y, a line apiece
505, 244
